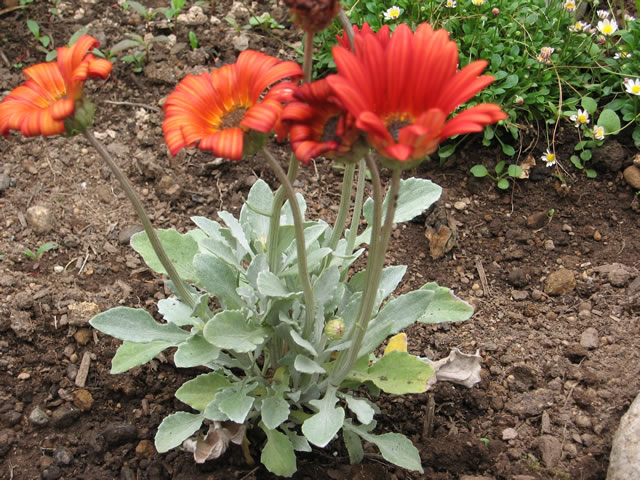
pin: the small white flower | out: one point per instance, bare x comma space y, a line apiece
629, 18
478, 3
549, 158
581, 118
570, 5
598, 132
451, 4
607, 27
545, 54
579, 27
393, 13
619, 55
603, 14
632, 85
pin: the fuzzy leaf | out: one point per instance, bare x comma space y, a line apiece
275, 410
200, 391
230, 329
321, 427
270, 285
306, 365
194, 352
175, 429
235, 404
176, 312
180, 249
137, 326
219, 279
130, 354
278, 455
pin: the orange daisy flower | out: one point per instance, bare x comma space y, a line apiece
214, 110
52, 91
317, 124
402, 91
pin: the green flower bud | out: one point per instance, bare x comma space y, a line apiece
334, 328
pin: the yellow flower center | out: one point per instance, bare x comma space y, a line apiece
394, 13
582, 119
607, 30
635, 89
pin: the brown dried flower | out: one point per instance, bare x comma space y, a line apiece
313, 15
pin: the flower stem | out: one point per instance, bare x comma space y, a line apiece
180, 286
274, 223
345, 204
379, 240
348, 28
303, 270
308, 56
357, 207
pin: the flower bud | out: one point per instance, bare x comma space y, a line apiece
519, 100
82, 117
495, 11
334, 328
313, 15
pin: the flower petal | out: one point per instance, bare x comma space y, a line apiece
225, 144
262, 116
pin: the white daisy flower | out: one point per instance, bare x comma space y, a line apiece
451, 4
603, 14
478, 3
619, 55
607, 27
570, 5
598, 132
629, 18
581, 118
579, 27
632, 85
393, 13
549, 158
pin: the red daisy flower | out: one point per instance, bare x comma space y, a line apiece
317, 124
403, 90
214, 110
383, 35
52, 91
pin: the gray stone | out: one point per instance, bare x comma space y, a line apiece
195, 16
168, 188
52, 472
509, 434
124, 237
550, 450
632, 176
64, 416
618, 274
21, 323
63, 456
40, 219
530, 404
12, 418
589, 338
624, 461
119, 433
5, 182
518, 277
38, 417
560, 282
241, 42
611, 155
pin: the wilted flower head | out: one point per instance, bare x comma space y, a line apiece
580, 118
549, 158
313, 15
607, 27
629, 18
598, 132
579, 27
478, 3
545, 54
603, 14
53, 93
632, 85
392, 13
450, 4
402, 89
570, 5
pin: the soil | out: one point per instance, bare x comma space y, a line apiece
559, 369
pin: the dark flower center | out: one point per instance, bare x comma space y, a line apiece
329, 133
397, 122
233, 118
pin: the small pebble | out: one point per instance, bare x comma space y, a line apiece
38, 417
63, 456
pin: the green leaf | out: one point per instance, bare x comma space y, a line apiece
51, 56
444, 307
415, 196
130, 354
589, 104
301, 342
499, 167
278, 455
235, 404
33, 27
511, 81
194, 352
514, 171
362, 408
175, 429
45, 248
591, 173
45, 41
137, 326
176, 312
394, 447
508, 150
236, 230
398, 373
306, 365
76, 36
256, 212
479, 171
270, 285
576, 162
200, 391
123, 45
274, 411
610, 121
218, 279
230, 329
354, 446
179, 248
503, 184
321, 427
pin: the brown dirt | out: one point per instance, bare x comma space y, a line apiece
558, 371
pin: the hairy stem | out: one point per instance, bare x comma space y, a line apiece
345, 204
180, 285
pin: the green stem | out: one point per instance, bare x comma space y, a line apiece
308, 56
379, 240
345, 204
274, 222
180, 286
347, 27
357, 207
303, 270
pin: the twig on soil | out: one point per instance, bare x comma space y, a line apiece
5, 59
134, 104
35, 192
250, 473
483, 276
11, 9
84, 262
427, 424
